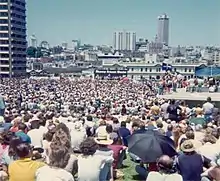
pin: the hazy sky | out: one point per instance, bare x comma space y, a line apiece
192, 22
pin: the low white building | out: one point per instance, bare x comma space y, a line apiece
151, 67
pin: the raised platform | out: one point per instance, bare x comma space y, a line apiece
181, 94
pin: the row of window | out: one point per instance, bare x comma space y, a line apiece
4, 14
3, 7
13, 49
158, 69
14, 15
23, 30
18, 22
18, 2
18, 9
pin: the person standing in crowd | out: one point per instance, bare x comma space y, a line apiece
208, 108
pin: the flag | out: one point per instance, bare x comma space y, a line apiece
167, 67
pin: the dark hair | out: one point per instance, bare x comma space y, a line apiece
23, 150
22, 126
59, 155
89, 118
173, 101
49, 136
88, 146
123, 124
115, 121
159, 124
64, 128
109, 128
7, 136
209, 99
170, 127
35, 125
15, 141
63, 137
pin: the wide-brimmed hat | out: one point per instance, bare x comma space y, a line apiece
187, 146
103, 138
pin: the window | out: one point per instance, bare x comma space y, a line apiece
132, 69
3, 21
4, 14
3, 35
145, 69
3, 28
174, 69
141, 69
4, 7
150, 69
185, 70
190, 70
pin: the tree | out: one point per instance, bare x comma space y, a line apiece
31, 52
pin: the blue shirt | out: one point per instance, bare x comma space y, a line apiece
191, 166
24, 137
124, 133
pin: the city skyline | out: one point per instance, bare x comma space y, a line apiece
191, 22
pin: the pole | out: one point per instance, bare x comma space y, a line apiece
211, 70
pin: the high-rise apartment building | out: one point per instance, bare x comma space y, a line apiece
163, 29
13, 42
124, 40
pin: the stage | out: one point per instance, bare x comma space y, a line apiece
193, 98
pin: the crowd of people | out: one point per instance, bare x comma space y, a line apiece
66, 130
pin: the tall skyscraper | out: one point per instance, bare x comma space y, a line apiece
13, 44
163, 29
124, 40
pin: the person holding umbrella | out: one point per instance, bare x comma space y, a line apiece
155, 145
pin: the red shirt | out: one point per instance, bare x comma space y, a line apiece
116, 150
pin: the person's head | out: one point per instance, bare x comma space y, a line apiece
123, 124
63, 137
64, 128
109, 128
88, 146
55, 158
172, 101
209, 99
48, 136
170, 127
115, 121
22, 127
165, 164
190, 135
35, 124
209, 139
102, 123
14, 142
89, 118
23, 150
187, 147
156, 103
135, 125
159, 124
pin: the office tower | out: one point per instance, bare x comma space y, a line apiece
124, 40
163, 29
33, 41
13, 43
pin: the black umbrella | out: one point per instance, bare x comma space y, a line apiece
150, 145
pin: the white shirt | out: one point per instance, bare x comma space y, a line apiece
90, 167
36, 136
77, 137
156, 176
47, 173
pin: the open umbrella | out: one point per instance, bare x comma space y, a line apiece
196, 121
150, 145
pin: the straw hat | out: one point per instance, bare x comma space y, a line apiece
187, 146
103, 138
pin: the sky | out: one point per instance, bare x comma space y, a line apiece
192, 22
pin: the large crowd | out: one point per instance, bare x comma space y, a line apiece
81, 129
